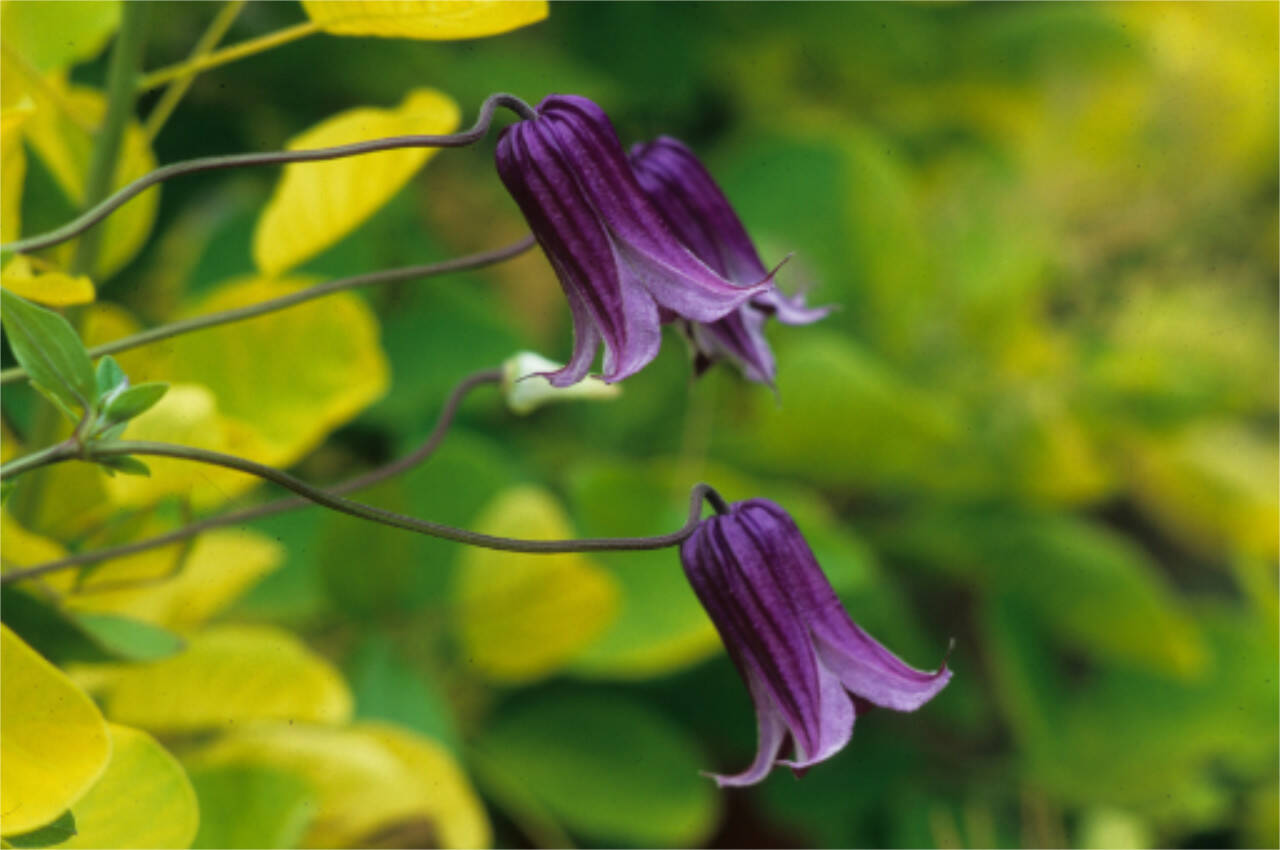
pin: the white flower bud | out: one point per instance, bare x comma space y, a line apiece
526, 389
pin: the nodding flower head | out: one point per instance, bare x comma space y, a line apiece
703, 219
810, 669
622, 269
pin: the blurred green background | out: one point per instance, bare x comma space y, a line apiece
1042, 421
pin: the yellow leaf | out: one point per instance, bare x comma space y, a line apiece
60, 132
53, 288
23, 548
524, 616
1212, 486
187, 414
220, 566
451, 804
55, 35
230, 674
427, 19
317, 203
143, 799
370, 780
13, 165
10, 446
53, 740
313, 367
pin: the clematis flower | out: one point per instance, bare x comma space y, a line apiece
809, 668
702, 217
622, 269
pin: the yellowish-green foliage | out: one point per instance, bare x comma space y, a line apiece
161, 811
60, 133
227, 675
1042, 423
53, 289
369, 779
54, 743
13, 165
522, 617
317, 203
427, 19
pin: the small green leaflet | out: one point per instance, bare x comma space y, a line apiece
124, 463
133, 401
51, 352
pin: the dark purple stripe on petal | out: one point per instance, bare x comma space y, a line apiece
864, 665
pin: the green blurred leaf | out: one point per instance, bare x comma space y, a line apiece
251, 806
51, 352
48, 629
1087, 585
849, 419
608, 768
388, 687
129, 639
49, 835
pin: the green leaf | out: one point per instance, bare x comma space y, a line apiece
129, 639
1088, 586
134, 401
109, 376
608, 768
251, 806
48, 629
126, 464
50, 834
387, 687
93, 637
50, 351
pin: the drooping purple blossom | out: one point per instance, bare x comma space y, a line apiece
622, 269
702, 217
809, 668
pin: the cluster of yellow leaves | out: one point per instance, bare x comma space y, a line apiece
269, 389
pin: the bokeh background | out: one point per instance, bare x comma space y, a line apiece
1041, 423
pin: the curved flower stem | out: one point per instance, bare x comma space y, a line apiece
279, 506
222, 317
120, 448
212, 163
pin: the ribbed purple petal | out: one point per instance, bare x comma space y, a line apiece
614, 253
772, 733
864, 665
697, 210
759, 628
702, 217
836, 715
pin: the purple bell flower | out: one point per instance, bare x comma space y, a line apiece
702, 217
810, 669
622, 269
